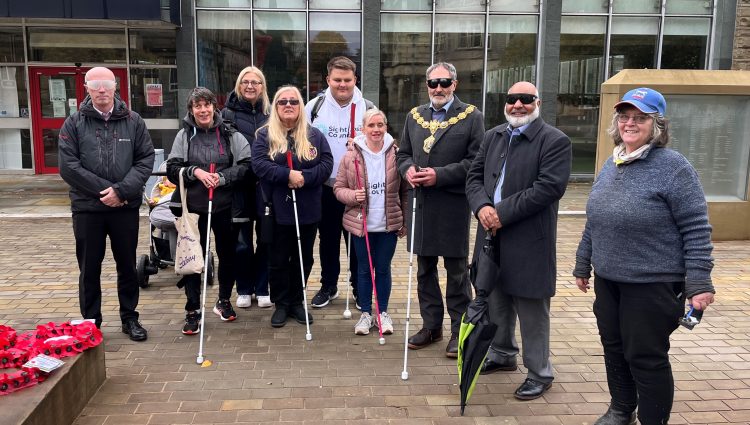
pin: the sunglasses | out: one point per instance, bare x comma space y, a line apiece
442, 82
526, 99
638, 119
98, 84
284, 102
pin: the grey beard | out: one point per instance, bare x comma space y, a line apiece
447, 100
520, 122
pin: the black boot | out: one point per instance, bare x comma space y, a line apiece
616, 417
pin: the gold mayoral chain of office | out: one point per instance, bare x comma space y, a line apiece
434, 125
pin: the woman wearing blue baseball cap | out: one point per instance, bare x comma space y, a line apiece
648, 240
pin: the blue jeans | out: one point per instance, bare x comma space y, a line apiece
382, 248
251, 268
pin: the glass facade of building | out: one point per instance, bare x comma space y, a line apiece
566, 47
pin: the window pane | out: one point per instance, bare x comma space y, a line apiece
336, 4
689, 7
223, 3
514, 6
153, 47
581, 74
280, 49
685, 43
90, 45
459, 6
577, 6
510, 58
14, 101
163, 139
636, 6
406, 5
15, 149
274, 4
326, 44
710, 131
153, 92
459, 39
223, 40
633, 43
404, 57
11, 45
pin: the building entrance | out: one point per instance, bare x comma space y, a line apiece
57, 92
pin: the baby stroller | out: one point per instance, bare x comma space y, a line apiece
162, 231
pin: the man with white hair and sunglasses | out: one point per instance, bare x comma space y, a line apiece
514, 186
106, 156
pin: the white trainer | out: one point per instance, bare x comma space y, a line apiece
386, 322
264, 301
363, 326
244, 301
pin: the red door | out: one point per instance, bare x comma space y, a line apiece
55, 94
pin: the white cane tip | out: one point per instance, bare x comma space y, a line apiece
347, 314
308, 337
199, 360
382, 341
404, 375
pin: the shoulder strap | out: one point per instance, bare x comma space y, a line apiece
316, 108
227, 114
368, 104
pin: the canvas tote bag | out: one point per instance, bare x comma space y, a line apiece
188, 255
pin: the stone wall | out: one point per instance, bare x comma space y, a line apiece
741, 48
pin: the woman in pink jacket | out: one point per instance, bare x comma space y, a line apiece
374, 192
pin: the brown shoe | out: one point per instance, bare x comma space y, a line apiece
452, 349
425, 337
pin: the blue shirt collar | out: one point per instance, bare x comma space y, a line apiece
520, 129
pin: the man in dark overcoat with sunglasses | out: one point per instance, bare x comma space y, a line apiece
438, 142
514, 187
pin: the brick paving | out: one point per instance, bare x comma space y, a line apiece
265, 375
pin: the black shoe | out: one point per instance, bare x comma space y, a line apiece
491, 366
278, 319
616, 416
134, 330
192, 323
224, 310
324, 296
425, 337
531, 389
452, 349
297, 312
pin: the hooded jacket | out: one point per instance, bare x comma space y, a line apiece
346, 183
95, 154
195, 147
335, 122
248, 119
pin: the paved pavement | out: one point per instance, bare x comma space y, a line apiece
265, 375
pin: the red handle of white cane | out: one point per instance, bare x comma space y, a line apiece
352, 133
211, 169
289, 160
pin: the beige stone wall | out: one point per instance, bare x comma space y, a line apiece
741, 48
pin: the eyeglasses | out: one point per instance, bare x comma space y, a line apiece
526, 99
253, 83
98, 84
443, 82
638, 119
284, 102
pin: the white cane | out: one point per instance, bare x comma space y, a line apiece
199, 359
347, 312
405, 373
308, 335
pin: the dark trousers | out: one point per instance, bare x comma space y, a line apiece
91, 230
250, 266
457, 291
285, 281
221, 226
635, 322
382, 248
330, 231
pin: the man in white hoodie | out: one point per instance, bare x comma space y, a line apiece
338, 115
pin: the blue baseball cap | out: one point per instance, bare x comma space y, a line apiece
647, 100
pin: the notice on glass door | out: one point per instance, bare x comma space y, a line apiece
57, 91
58, 108
154, 95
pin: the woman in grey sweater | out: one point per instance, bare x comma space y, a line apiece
648, 240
